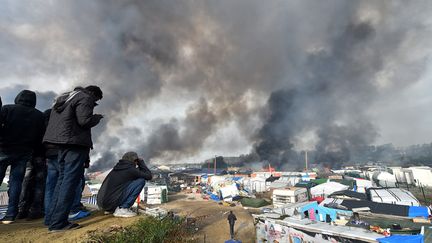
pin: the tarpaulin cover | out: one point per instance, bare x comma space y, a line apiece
381, 208
415, 211
254, 202
402, 238
214, 197
233, 241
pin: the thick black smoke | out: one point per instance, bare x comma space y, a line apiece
185, 80
331, 100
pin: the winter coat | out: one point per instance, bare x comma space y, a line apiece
71, 119
231, 218
22, 125
123, 173
51, 150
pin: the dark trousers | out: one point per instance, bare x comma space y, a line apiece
70, 165
131, 193
17, 161
231, 230
33, 187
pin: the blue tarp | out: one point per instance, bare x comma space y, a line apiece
418, 211
233, 241
402, 238
214, 197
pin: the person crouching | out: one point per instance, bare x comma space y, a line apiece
122, 185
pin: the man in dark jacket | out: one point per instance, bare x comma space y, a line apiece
231, 220
69, 128
22, 129
123, 185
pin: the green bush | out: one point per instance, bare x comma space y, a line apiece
147, 230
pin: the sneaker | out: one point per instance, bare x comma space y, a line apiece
107, 212
124, 213
7, 220
79, 215
71, 226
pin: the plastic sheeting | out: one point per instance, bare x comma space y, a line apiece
418, 212
327, 188
402, 238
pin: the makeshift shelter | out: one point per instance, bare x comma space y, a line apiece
347, 194
289, 195
383, 178
285, 181
327, 188
392, 195
314, 211
362, 184
257, 184
229, 192
154, 194
381, 208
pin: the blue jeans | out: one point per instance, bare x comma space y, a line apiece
51, 181
17, 162
76, 205
131, 193
70, 166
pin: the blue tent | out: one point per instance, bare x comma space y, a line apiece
402, 238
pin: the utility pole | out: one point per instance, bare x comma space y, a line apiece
306, 160
215, 165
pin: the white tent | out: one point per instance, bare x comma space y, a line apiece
394, 196
327, 188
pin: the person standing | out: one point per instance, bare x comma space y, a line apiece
231, 220
122, 185
22, 129
69, 129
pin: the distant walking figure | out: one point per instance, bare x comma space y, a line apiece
231, 220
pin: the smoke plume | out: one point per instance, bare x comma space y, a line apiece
187, 80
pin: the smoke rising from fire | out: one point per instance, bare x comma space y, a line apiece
190, 79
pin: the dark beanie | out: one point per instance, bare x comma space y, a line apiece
95, 90
130, 156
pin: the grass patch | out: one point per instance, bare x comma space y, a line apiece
147, 230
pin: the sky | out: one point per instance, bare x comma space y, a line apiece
187, 80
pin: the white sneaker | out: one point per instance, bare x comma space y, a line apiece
124, 213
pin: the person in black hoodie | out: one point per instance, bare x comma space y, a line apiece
123, 184
22, 129
69, 129
231, 220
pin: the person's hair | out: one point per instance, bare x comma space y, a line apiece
95, 90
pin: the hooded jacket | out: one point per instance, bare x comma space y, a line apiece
22, 125
71, 119
123, 173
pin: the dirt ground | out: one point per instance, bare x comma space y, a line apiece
210, 221
212, 218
